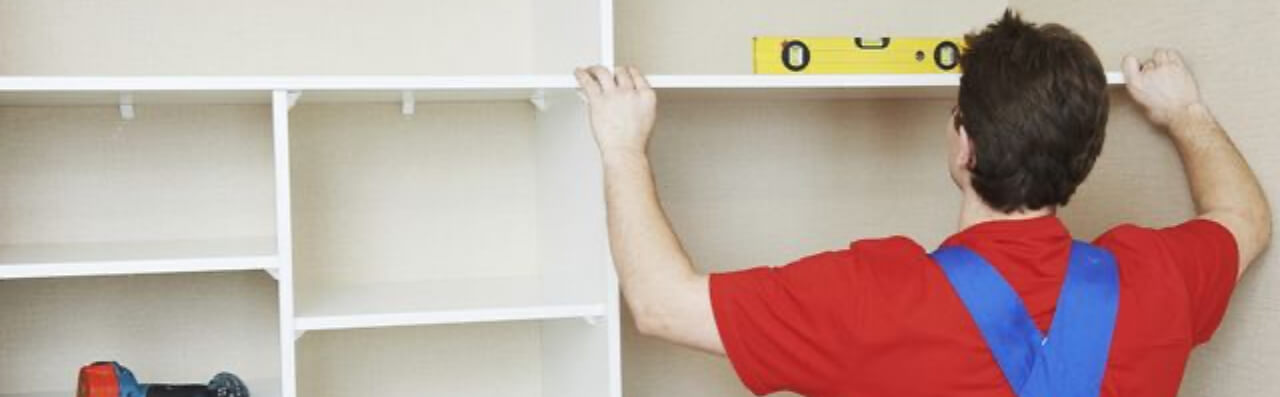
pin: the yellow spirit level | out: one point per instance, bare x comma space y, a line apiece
857, 55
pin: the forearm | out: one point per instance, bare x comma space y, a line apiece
1223, 186
645, 249
667, 297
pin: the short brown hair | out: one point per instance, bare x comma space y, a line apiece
1033, 100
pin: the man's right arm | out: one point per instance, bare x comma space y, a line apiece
1223, 186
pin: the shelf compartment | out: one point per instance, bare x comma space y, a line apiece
461, 212
257, 388
562, 358
179, 188
167, 328
434, 302
98, 259
284, 38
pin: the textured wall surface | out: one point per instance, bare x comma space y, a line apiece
238, 37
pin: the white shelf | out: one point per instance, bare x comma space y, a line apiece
99, 259
31, 91
75, 91
781, 87
267, 83
433, 302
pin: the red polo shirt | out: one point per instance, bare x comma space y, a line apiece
880, 318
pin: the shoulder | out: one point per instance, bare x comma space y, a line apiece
880, 255
894, 248
888, 260
1127, 236
1166, 243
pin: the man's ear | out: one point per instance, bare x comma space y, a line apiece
966, 158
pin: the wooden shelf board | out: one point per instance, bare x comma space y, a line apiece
453, 301
99, 259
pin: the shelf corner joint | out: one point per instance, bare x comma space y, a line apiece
407, 102
126, 106
293, 96
539, 100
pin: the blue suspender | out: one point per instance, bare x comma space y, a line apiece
1071, 360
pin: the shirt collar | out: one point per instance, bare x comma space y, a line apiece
1046, 228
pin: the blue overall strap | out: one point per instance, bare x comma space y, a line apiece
1080, 337
1071, 361
1008, 330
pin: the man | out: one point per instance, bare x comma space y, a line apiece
884, 318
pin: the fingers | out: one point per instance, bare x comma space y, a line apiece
1175, 57
1161, 56
638, 78
623, 78
588, 84
1131, 67
1149, 64
595, 80
603, 77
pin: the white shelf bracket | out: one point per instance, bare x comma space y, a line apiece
126, 106
298, 334
407, 102
274, 273
293, 96
539, 100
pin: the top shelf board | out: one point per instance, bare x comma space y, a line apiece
80, 91
784, 87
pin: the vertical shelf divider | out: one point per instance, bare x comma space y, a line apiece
613, 309
284, 240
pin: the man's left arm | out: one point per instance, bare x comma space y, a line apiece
667, 298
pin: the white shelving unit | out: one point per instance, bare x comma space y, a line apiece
423, 235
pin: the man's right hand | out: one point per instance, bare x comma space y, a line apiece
622, 108
1163, 85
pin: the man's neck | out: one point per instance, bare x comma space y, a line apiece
974, 211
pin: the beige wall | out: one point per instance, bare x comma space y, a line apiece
714, 37
758, 182
1231, 47
252, 37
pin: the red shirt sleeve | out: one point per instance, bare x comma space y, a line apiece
1204, 254
780, 326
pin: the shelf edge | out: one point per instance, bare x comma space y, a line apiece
442, 317
320, 83
135, 267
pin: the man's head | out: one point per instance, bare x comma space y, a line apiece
1032, 115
